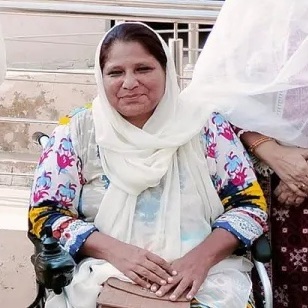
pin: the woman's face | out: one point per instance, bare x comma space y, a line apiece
134, 81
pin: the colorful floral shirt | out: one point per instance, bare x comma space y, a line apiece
69, 176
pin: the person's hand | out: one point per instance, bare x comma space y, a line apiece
285, 196
289, 163
192, 270
140, 265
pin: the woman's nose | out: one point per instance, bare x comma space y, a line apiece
130, 82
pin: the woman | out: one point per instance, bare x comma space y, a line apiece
256, 71
2, 58
146, 188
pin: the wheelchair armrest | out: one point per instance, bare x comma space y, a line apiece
261, 250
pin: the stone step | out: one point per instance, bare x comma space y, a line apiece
16, 169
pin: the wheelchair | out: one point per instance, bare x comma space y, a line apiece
54, 267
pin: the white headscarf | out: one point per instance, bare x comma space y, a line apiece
2, 58
254, 65
145, 154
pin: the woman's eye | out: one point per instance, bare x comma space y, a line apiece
144, 69
114, 73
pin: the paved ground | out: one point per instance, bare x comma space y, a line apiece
17, 282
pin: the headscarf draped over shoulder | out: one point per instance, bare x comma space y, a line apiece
254, 67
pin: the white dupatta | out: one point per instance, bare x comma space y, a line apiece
2, 58
254, 65
136, 160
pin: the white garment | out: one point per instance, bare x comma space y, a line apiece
254, 65
2, 58
136, 160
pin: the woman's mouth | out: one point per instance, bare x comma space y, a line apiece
132, 96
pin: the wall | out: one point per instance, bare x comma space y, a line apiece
36, 43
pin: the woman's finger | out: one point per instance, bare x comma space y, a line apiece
294, 200
296, 190
150, 276
282, 197
278, 190
135, 278
303, 187
158, 270
180, 289
299, 201
154, 287
162, 263
194, 290
163, 290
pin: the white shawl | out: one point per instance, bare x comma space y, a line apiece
137, 159
2, 58
254, 65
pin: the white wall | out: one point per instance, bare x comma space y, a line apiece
51, 42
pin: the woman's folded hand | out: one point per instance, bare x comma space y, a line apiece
191, 270
286, 196
140, 265
289, 163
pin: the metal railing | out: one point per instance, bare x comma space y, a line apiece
190, 12
202, 12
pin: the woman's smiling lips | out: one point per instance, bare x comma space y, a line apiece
131, 96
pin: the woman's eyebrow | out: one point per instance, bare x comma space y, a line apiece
111, 67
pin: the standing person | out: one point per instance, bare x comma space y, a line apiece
146, 188
255, 67
2, 58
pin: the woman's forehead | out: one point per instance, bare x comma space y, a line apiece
125, 52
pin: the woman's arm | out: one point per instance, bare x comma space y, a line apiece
244, 219
56, 192
55, 201
289, 163
235, 180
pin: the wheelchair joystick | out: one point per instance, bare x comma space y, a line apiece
54, 267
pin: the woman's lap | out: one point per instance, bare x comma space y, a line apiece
196, 304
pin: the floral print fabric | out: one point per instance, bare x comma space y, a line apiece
70, 183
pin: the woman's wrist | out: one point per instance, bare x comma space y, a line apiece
99, 246
263, 147
259, 142
267, 151
219, 245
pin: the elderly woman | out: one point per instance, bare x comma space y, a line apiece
256, 71
145, 188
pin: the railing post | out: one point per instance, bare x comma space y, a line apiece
193, 54
193, 43
176, 49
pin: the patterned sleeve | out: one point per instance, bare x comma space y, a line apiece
55, 195
235, 181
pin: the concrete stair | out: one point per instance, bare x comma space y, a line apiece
20, 166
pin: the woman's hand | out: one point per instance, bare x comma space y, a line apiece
140, 265
289, 163
192, 270
285, 196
